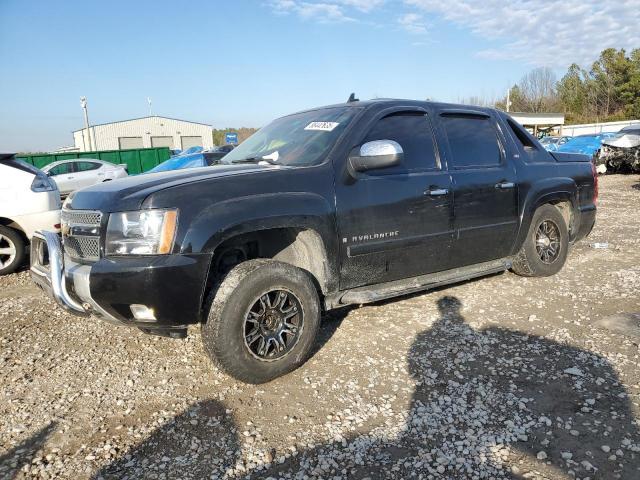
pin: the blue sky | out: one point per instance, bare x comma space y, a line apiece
243, 63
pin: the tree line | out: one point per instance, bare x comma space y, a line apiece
607, 91
243, 134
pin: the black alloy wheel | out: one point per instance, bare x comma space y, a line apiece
273, 325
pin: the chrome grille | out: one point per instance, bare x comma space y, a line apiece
83, 247
87, 248
81, 217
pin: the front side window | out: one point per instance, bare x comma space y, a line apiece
301, 139
472, 140
62, 169
413, 132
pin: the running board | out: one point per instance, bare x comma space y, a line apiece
382, 291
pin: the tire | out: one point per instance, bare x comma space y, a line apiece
532, 261
12, 250
240, 322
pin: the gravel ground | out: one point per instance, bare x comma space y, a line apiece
502, 377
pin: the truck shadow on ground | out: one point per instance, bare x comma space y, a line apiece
22, 454
483, 399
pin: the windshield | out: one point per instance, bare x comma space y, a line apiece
296, 140
630, 130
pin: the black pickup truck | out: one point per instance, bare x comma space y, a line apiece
339, 205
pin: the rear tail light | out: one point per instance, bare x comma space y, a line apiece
595, 182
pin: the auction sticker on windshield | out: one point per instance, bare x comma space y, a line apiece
322, 126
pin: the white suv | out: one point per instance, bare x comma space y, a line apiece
29, 201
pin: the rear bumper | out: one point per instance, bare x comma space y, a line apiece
587, 222
47, 220
172, 286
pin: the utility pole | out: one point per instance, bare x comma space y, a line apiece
149, 102
83, 104
508, 99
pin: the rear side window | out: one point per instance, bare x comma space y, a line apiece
62, 169
413, 132
472, 140
524, 137
86, 166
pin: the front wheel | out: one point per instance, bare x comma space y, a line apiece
12, 250
263, 321
545, 249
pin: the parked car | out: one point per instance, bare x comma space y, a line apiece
71, 175
334, 206
194, 160
621, 153
191, 150
585, 144
29, 201
552, 143
223, 148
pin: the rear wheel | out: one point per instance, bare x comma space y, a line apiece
12, 250
545, 249
263, 321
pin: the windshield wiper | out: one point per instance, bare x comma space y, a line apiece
270, 161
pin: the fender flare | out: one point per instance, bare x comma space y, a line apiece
541, 193
224, 220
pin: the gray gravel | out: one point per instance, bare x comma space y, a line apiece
502, 377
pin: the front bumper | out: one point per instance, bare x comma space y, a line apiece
172, 286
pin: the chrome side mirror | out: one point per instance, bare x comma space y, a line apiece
375, 155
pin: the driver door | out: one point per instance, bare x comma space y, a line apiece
64, 176
396, 222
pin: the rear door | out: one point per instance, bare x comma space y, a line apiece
395, 222
485, 188
88, 173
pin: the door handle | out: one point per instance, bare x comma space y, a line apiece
437, 192
505, 185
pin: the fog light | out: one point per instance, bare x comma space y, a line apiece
143, 313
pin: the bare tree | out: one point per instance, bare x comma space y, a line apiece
538, 89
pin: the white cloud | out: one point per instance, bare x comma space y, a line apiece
362, 5
541, 32
413, 23
326, 11
318, 11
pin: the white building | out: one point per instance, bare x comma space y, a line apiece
144, 132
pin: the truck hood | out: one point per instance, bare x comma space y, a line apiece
130, 192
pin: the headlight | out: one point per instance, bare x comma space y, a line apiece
144, 232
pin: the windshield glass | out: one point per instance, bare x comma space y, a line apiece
296, 140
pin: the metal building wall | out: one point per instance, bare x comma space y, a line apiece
105, 137
596, 128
